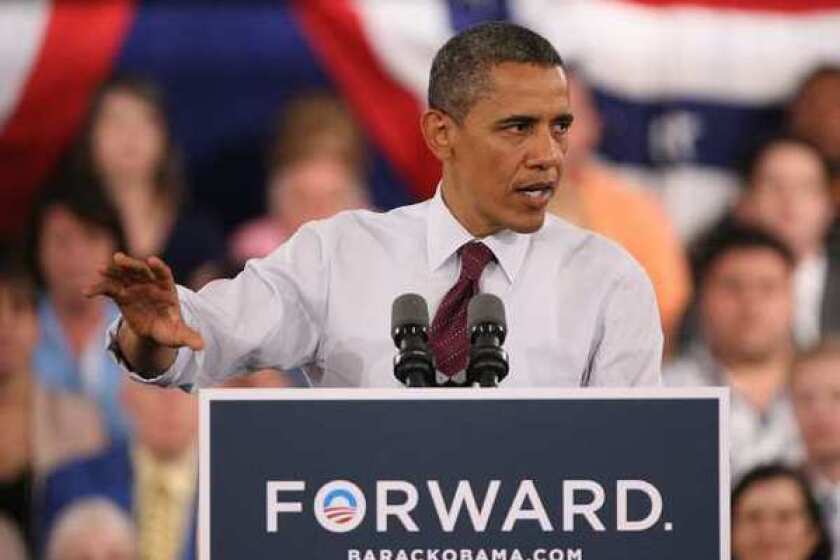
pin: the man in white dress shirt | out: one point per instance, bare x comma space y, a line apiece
580, 311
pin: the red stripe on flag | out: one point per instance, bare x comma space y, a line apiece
784, 6
388, 110
80, 42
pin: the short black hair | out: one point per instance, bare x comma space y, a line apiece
84, 197
732, 236
764, 473
14, 275
461, 68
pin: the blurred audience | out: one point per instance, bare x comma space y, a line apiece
93, 529
11, 541
816, 398
776, 517
74, 232
787, 193
153, 478
316, 169
41, 428
126, 145
593, 197
814, 114
745, 311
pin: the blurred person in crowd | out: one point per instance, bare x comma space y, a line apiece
776, 517
814, 114
11, 541
592, 197
816, 397
39, 428
127, 146
787, 193
316, 169
745, 308
153, 478
73, 232
93, 529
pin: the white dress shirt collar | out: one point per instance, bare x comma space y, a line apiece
445, 235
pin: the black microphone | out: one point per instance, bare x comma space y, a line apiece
414, 364
487, 327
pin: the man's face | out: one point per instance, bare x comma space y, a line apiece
506, 158
816, 398
165, 420
71, 252
746, 306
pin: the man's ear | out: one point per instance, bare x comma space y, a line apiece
439, 131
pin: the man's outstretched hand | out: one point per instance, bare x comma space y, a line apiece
145, 292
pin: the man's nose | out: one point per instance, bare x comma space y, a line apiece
547, 150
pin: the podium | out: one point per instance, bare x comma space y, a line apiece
464, 474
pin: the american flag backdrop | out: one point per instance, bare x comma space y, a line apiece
683, 85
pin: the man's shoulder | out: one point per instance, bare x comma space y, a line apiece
585, 249
398, 220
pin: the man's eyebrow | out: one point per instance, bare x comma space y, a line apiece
566, 117
517, 119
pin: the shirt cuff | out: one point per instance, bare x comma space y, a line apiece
166, 379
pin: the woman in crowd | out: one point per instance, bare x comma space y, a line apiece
127, 146
73, 232
316, 169
776, 517
39, 428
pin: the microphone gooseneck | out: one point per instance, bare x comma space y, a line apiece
414, 364
487, 329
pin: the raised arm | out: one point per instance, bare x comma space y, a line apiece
153, 328
270, 316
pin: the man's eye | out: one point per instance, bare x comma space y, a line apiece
562, 126
519, 127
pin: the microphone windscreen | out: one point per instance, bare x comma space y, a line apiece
485, 308
408, 310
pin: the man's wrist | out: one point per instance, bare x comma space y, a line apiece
142, 355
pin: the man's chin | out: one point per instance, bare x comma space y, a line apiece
531, 225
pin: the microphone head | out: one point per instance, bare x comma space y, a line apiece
486, 309
409, 310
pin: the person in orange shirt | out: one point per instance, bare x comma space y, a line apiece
597, 199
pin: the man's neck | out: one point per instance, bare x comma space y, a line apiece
460, 209
760, 381
79, 319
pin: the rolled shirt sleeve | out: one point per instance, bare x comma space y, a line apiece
270, 315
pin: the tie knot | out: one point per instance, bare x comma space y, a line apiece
474, 257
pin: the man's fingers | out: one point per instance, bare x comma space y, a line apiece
191, 338
105, 287
160, 270
135, 267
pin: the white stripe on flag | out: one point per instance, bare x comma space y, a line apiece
22, 26
649, 53
405, 36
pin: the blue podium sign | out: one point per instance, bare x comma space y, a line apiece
464, 474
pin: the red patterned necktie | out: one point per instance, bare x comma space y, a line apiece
448, 337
